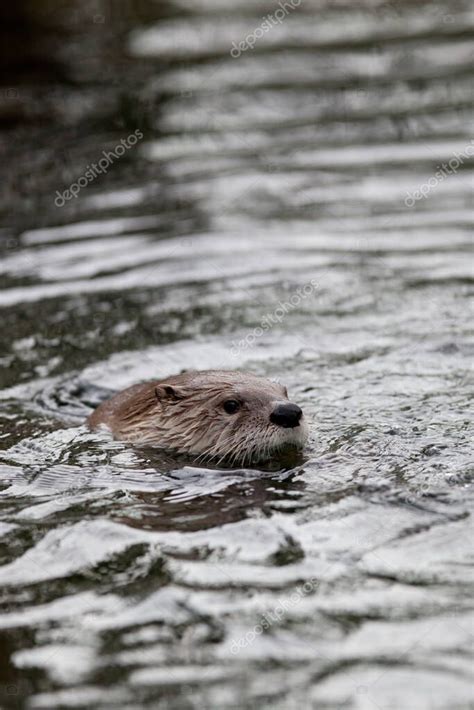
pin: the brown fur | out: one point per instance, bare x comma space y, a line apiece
185, 413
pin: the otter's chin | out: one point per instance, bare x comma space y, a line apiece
277, 444
295, 437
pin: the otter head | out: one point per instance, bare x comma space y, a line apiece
226, 416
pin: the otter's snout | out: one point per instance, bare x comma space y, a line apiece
287, 415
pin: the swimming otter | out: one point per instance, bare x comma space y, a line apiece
214, 414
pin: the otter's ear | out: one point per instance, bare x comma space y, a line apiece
166, 392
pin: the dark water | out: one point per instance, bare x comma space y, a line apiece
281, 186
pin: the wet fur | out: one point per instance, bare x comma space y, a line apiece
185, 414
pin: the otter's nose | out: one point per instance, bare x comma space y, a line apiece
287, 415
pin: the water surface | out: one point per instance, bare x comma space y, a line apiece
340, 580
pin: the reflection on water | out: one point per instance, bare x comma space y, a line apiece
335, 153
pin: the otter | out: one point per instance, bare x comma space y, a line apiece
219, 415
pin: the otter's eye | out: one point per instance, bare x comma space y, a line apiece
231, 406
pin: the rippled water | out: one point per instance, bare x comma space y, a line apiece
341, 580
